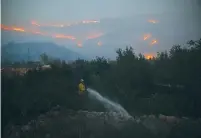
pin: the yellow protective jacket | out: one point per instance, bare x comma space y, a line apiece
81, 88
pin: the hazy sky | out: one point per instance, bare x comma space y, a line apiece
21, 12
17, 11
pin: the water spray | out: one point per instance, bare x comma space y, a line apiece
108, 104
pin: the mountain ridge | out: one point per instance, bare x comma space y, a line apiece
32, 50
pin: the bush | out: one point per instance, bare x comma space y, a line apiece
131, 80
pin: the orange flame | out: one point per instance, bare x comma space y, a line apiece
149, 55
154, 41
65, 25
146, 36
71, 37
64, 36
5, 27
12, 28
20, 29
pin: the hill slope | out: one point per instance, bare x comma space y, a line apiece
33, 50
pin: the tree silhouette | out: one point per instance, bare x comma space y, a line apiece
169, 84
44, 58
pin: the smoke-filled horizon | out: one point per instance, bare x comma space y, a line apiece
97, 28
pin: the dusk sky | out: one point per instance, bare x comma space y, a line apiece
22, 12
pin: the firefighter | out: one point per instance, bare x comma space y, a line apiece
81, 87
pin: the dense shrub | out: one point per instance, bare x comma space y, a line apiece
133, 81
